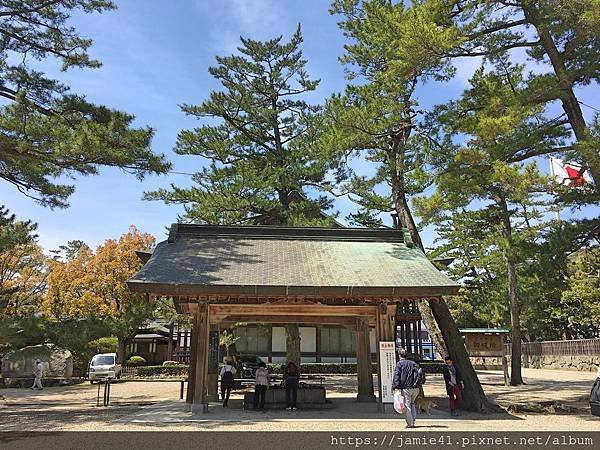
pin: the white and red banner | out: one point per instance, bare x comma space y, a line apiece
569, 174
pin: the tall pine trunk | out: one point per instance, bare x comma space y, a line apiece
442, 326
407, 220
474, 398
513, 301
515, 355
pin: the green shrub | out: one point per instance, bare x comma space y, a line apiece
108, 344
167, 371
135, 360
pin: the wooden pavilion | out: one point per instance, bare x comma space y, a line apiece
354, 277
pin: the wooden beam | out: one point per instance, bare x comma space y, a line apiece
298, 299
331, 320
287, 310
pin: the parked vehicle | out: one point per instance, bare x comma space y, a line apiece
103, 366
248, 365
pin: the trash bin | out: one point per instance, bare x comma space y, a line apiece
595, 398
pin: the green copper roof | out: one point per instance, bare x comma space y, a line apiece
201, 259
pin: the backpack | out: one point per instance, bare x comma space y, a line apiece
227, 379
418, 376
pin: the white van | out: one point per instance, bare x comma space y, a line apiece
103, 366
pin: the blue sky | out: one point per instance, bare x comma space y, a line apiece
155, 56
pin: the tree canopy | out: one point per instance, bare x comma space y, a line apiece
259, 144
47, 132
93, 284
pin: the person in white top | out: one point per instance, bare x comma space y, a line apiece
38, 371
227, 381
260, 385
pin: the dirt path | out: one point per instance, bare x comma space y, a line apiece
155, 405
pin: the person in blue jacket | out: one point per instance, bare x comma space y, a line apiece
408, 377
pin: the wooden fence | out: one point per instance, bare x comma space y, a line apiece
576, 347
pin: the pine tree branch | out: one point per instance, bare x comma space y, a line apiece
468, 53
33, 9
499, 27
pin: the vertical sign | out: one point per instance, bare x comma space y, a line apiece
387, 360
213, 351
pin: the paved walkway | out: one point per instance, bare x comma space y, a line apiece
152, 406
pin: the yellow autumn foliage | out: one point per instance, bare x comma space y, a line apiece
22, 278
94, 283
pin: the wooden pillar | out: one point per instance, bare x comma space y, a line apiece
200, 397
189, 399
363, 363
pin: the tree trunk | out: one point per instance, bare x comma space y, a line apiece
515, 355
570, 104
441, 326
474, 398
513, 303
408, 221
292, 343
122, 341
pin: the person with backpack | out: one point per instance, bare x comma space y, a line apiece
261, 383
291, 377
408, 378
454, 384
227, 381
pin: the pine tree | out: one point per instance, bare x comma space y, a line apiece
378, 119
559, 35
258, 142
484, 180
45, 131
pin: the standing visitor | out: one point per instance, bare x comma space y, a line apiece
260, 386
454, 384
227, 381
291, 377
38, 371
408, 378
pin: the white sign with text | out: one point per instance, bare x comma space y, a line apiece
387, 360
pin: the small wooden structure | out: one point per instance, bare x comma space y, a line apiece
266, 274
487, 342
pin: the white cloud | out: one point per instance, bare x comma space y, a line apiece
230, 19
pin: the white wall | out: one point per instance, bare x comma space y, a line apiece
278, 340
308, 339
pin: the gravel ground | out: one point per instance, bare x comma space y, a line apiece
155, 406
